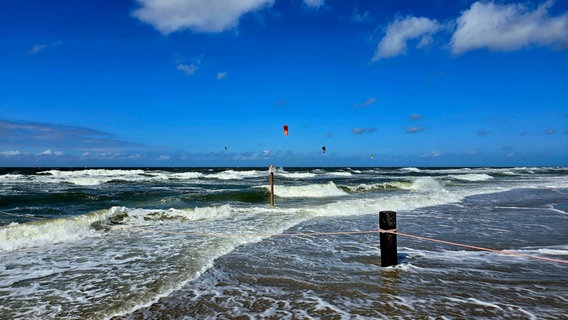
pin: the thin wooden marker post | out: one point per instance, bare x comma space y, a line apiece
271, 169
387, 222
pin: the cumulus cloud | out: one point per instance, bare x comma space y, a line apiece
251, 156
366, 103
196, 15
37, 48
363, 130
40, 47
314, 3
48, 152
401, 31
11, 153
358, 17
508, 27
188, 69
414, 129
415, 116
433, 154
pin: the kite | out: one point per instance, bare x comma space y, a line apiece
286, 130
323, 149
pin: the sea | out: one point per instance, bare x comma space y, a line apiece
205, 243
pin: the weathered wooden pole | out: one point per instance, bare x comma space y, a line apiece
271, 169
387, 222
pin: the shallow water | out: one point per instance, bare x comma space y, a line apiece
195, 243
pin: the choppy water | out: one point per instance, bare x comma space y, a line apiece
187, 243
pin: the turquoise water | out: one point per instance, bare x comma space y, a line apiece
184, 243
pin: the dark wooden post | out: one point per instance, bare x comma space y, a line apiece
271, 169
387, 222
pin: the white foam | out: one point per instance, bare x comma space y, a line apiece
554, 252
11, 177
90, 177
93, 177
236, 175
423, 184
559, 250
341, 174
476, 302
185, 175
309, 191
368, 187
472, 177
296, 175
46, 232
209, 213
93, 172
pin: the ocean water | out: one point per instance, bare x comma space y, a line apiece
204, 243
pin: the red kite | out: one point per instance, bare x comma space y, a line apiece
286, 130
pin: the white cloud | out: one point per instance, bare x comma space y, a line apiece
360, 17
414, 129
40, 46
48, 152
366, 103
11, 153
433, 154
45, 153
222, 75
37, 48
314, 3
400, 31
508, 27
363, 130
188, 69
197, 15
248, 156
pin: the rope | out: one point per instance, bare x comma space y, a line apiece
524, 255
205, 234
311, 234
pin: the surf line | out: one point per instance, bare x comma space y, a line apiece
311, 234
21, 215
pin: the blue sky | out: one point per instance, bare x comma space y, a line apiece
212, 82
